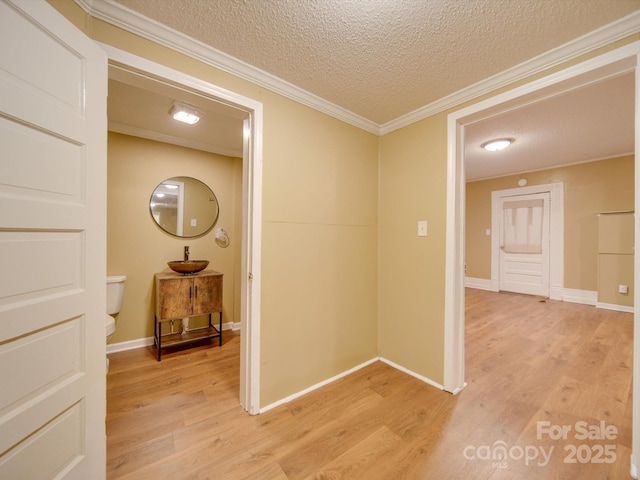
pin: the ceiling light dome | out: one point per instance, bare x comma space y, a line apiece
498, 144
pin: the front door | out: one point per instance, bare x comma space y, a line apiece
524, 244
53, 85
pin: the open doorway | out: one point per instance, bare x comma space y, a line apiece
246, 144
608, 65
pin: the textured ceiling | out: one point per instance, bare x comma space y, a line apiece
588, 123
382, 59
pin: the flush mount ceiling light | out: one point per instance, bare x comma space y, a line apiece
184, 113
496, 145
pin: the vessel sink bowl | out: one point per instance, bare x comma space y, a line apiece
187, 267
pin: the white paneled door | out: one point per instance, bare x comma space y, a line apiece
53, 85
524, 244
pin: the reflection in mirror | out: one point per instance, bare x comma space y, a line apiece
184, 207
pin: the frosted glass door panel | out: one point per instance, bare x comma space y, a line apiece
524, 249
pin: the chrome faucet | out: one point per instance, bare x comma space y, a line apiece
186, 253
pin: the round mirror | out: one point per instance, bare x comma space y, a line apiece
184, 207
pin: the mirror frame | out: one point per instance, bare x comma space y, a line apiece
181, 180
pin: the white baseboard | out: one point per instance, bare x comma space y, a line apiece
317, 386
148, 341
457, 390
613, 306
129, 345
590, 297
633, 471
556, 293
348, 372
586, 297
413, 374
481, 284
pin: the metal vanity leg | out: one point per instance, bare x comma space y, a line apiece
220, 326
158, 328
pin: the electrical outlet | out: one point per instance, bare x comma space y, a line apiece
624, 289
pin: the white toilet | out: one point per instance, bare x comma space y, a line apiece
115, 294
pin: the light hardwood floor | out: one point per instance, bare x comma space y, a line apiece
528, 361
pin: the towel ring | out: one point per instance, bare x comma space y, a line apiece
221, 237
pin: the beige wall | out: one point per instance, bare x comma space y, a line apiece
412, 188
138, 248
589, 188
413, 178
319, 239
340, 211
319, 248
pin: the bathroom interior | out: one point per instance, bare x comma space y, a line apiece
148, 150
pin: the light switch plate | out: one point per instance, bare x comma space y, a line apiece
194, 222
422, 228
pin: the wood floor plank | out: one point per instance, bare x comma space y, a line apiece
528, 360
127, 457
360, 461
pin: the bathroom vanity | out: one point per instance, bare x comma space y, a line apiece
182, 296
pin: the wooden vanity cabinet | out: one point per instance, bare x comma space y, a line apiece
181, 296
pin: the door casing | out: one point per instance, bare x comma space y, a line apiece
620, 60
251, 205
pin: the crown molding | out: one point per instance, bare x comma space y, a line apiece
164, 138
601, 37
122, 17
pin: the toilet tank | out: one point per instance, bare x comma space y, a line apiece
115, 293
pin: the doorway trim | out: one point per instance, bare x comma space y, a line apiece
251, 211
614, 62
556, 233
